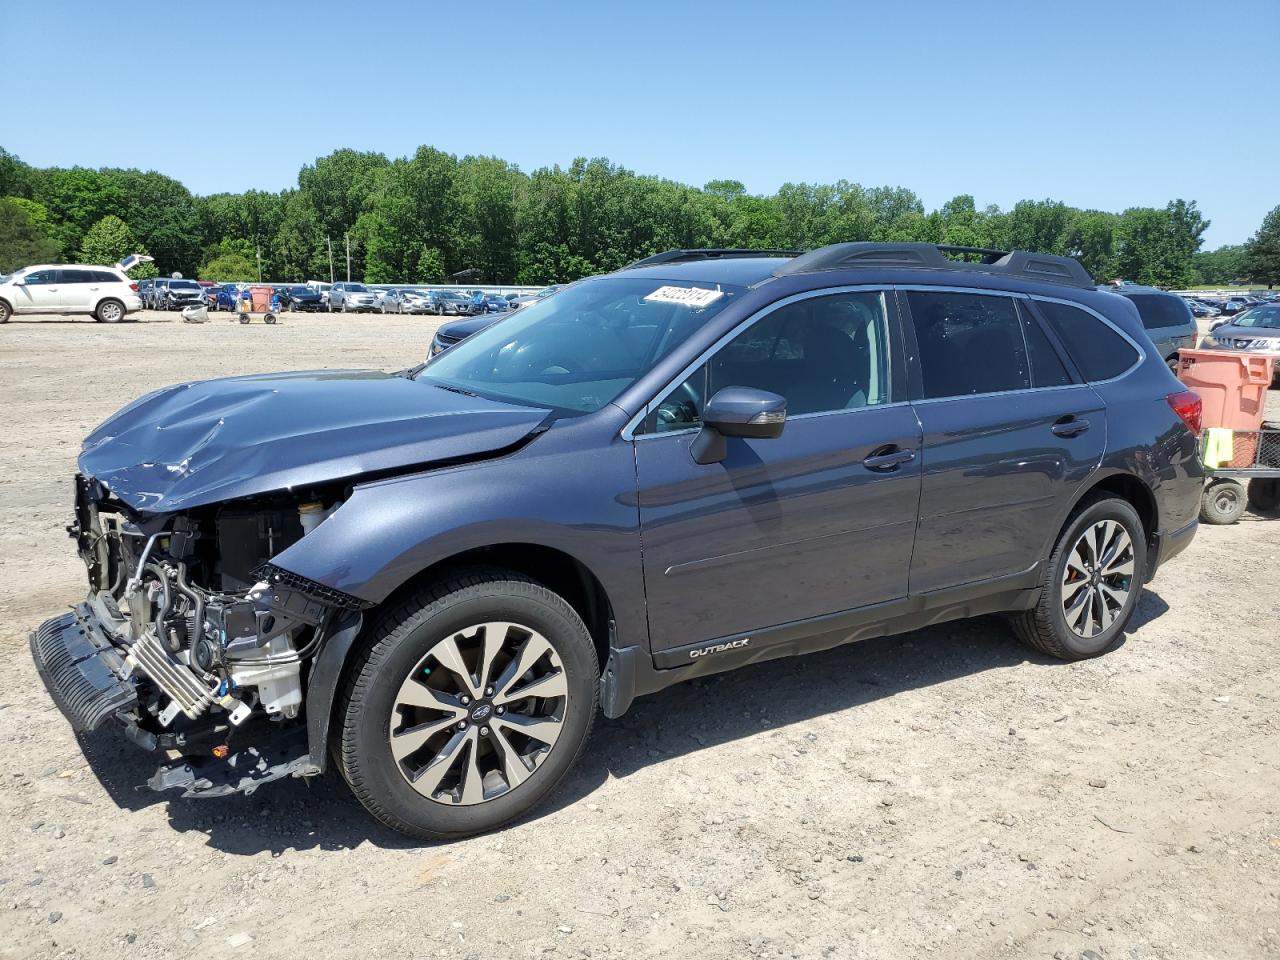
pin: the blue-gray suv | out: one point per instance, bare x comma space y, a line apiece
433, 580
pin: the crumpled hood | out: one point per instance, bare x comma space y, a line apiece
199, 443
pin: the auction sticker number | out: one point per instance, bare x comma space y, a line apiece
685, 296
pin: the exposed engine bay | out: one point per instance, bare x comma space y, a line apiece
211, 640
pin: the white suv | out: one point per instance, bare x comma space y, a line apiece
106, 293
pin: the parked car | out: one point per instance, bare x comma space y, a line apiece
542, 294
351, 297
144, 291
301, 299
435, 580
178, 294
1201, 309
450, 303
406, 300
496, 304
1166, 318
1256, 330
227, 297
447, 334
105, 293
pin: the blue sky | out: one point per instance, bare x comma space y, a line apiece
1097, 104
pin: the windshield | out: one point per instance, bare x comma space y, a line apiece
357, 288
1267, 316
183, 285
579, 350
450, 295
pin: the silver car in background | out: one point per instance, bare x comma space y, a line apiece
1256, 330
406, 300
1165, 316
351, 297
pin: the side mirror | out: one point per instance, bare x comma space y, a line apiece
19, 281
737, 412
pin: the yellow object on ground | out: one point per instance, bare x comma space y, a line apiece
1218, 446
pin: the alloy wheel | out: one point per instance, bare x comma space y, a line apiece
479, 713
1097, 578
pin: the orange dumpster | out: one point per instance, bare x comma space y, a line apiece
1232, 386
261, 299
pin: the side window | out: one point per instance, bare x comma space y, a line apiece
105, 276
77, 276
1047, 368
821, 354
968, 344
681, 408
41, 278
1097, 350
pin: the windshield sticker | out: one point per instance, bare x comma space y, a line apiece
685, 296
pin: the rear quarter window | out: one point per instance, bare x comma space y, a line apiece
1097, 350
1161, 310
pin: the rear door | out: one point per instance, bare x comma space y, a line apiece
817, 521
1009, 434
74, 293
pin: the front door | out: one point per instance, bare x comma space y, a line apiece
1008, 437
41, 292
807, 524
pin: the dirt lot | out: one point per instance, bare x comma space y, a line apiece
943, 793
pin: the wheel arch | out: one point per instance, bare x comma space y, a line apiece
1127, 487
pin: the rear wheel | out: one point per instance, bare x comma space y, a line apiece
1264, 494
110, 311
1223, 502
1091, 583
469, 703
4, 312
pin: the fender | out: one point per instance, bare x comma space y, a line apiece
548, 493
322, 685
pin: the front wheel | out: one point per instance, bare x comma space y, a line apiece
4, 312
470, 701
1091, 583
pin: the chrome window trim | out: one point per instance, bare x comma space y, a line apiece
629, 430
865, 408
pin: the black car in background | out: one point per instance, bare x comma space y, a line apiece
300, 299
450, 303
450, 333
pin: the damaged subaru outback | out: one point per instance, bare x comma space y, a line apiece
433, 580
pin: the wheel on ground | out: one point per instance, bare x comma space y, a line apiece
1091, 583
269, 318
469, 702
1172, 363
1223, 502
110, 311
1264, 494
4, 312
244, 318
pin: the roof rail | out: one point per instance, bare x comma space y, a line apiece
707, 253
928, 256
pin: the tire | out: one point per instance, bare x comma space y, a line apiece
109, 311
5, 311
1172, 364
244, 318
400, 647
344, 306
1264, 494
269, 318
1045, 627
1223, 502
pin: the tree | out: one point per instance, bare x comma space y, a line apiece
1222, 266
1262, 258
22, 242
430, 267
227, 267
108, 241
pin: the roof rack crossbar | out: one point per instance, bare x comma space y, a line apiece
707, 253
1042, 267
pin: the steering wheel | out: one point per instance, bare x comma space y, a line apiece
678, 409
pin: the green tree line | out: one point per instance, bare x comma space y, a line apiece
425, 217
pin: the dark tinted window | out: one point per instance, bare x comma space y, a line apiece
40, 278
1047, 368
821, 354
1161, 309
105, 276
77, 276
969, 344
1097, 350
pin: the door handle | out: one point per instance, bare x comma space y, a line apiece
888, 458
1070, 427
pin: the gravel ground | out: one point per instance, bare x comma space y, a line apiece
942, 793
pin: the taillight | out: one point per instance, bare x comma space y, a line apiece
133, 287
1186, 404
